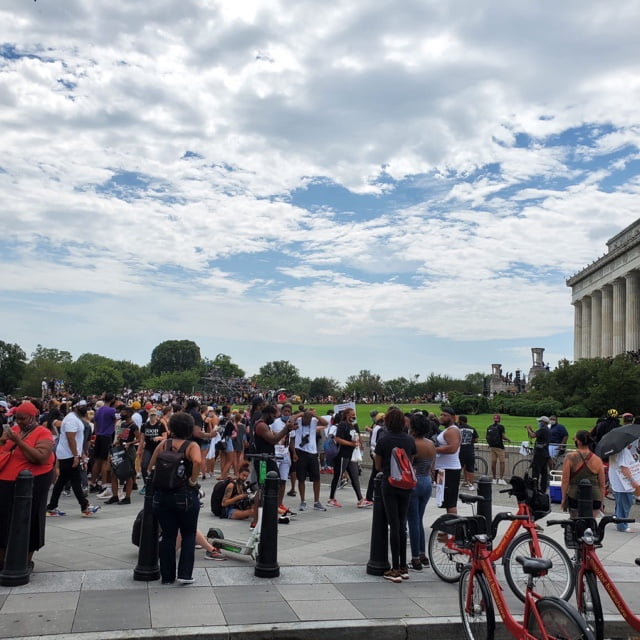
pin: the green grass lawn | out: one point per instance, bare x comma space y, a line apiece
514, 425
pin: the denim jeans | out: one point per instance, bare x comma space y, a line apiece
624, 502
417, 505
177, 510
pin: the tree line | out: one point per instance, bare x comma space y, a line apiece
588, 387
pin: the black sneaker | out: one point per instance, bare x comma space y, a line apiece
124, 501
96, 488
112, 500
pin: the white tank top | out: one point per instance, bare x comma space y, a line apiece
447, 460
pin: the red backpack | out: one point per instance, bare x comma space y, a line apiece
401, 473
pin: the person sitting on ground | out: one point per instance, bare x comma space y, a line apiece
238, 500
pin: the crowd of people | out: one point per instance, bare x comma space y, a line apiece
109, 447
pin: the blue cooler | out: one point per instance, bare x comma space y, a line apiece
555, 487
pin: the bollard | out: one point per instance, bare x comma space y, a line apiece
379, 548
16, 562
148, 568
485, 507
585, 499
267, 558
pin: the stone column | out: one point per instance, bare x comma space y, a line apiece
577, 330
596, 324
586, 327
607, 321
632, 295
618, 316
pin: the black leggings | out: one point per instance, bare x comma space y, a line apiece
396, 506
540, 471
340, 465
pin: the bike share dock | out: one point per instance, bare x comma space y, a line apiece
83, 587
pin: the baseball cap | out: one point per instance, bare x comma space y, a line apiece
543, 419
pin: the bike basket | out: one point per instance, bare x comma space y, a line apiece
539, 503
467, 529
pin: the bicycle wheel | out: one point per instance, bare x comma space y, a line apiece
445, 562
589, 605
559, 619
558, 581
521, 467
476, 608
482, 466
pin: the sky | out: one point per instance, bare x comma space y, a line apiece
398, 187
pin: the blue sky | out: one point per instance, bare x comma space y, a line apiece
400, 188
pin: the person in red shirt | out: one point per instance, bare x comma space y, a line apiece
25, 446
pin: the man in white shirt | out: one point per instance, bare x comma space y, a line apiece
305, 455
69, 455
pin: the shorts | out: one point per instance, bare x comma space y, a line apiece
102, 447
467, 458
307, 466
283, 468
451, 486
573, 504
497, 453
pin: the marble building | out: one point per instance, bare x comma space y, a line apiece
606, 299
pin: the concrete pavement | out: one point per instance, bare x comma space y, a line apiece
83, 582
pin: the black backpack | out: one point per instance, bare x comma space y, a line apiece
216, 498
494, 437
170, 472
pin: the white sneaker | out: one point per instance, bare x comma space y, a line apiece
502, 481
106, 494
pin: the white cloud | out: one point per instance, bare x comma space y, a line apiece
269, 98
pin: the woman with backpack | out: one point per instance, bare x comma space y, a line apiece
396, 500
176, 502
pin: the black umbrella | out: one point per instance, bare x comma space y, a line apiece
617, 439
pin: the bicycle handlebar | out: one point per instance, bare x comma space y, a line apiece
572, 523
263, 456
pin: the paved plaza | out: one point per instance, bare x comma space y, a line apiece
83, 582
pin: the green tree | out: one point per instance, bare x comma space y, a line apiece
278, 374
45, 364
474, 382
175, 355
185, 381
227, 368
103, 378
364, 383
77, 371
132, 374
13, 361
398, 387
323, 387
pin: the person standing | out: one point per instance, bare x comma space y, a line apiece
396, 501
448, 459
540, 462
153, 433
468, 438
177, 509
68, 453
558, 436
28, 447
305, 455
582, 464
348, 437
105, 428
622, 482
421, 431
496, 437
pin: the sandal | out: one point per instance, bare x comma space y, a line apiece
291, 493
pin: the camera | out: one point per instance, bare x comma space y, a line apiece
305, 440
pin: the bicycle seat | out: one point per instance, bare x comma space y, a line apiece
470, 498
534, 566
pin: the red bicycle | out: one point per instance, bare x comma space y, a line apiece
449, 559
544, 617
586, 535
